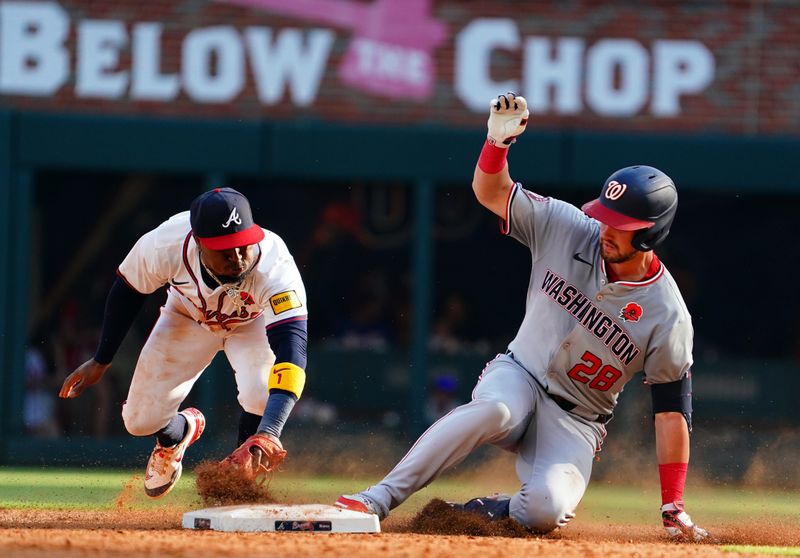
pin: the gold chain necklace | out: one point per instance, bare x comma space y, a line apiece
234, 292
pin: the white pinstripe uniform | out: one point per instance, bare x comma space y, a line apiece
582, 338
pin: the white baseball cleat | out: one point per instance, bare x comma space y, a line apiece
679, 524
164, 466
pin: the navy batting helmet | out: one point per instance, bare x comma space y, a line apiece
638, 198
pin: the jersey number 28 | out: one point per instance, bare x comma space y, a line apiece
591, 371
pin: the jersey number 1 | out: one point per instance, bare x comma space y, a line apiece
591, 371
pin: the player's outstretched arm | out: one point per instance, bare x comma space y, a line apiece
122, 305
508, 116
672, 451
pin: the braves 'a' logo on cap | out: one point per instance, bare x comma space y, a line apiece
631, 313
233, 218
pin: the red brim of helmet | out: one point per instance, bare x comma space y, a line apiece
253, 235
609, 217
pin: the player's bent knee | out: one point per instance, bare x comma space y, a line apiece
543, 520
543, 511
139, 424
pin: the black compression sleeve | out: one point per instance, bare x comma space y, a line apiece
289, 341
122, 305
674, 397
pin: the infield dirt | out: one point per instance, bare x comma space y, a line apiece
138, 533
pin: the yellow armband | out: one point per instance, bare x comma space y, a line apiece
288, 377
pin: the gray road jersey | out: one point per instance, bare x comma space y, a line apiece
583, 337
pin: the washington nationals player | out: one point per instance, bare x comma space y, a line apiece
601, 307
231, 286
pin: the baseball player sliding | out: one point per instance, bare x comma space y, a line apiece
601, 307
231, 286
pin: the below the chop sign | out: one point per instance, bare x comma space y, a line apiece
560, 75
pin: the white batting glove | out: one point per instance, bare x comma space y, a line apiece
679, 525
508, 116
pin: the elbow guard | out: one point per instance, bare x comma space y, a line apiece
287, 377
674, 397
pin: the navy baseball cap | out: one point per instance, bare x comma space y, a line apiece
221, 219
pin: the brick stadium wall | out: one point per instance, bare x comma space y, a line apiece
756, 59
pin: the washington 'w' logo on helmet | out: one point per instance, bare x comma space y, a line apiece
631, 313
615, 190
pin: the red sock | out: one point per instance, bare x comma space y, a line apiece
673, 479
492, 159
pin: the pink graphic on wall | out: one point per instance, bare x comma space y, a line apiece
391, 52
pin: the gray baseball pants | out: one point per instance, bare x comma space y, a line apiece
509, 409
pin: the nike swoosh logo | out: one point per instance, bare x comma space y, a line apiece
176, 283
577, 256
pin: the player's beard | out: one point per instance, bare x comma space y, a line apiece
228, 279
618, 256
234, 279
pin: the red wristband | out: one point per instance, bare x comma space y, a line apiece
673, 479
492, 159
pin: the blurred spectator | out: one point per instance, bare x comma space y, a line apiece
311, 411
365, 323
442, 398
75, 343
704, 349
326, 263
391, 419
337, 220
449, 332
39, 406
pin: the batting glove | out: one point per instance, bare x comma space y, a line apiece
258, 455
508, 116
678, 524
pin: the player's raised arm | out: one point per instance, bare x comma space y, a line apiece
508, 116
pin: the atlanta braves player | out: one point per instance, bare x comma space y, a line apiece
601, 307
231, 286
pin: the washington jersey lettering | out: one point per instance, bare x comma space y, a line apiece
169, 255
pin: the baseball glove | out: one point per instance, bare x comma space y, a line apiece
257, 456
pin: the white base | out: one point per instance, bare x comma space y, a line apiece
318, 518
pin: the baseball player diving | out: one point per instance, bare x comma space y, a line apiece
231, 286
601, 307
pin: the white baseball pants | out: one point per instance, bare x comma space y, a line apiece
174, 356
